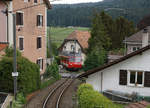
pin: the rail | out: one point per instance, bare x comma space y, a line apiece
55, 90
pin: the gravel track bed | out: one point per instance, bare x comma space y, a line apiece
68, 99
53, 99
37, 100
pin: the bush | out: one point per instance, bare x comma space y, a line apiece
52, 71
29, 74
84, 87
88, 98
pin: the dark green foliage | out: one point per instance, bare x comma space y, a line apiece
99, 43
80, 14
29, 74
52, 51
52, 71
144, 22
88, 98
99, 37
124, 28
117, 29
95, 59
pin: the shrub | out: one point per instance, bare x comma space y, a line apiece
88, 98
29, 74
52, 71
84, 87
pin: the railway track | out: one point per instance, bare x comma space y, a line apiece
54, 97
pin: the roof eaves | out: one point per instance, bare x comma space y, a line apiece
92, 71
48, 4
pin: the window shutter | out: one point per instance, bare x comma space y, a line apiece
42, 20
21, 44
21, 18
147, 79
42, 64
17, 18
123, 77
37, 20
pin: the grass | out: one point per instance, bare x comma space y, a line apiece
60, 33
47, 83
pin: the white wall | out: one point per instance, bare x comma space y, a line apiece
68, 46
10, 22
111, 75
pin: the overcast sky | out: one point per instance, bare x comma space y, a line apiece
73, 1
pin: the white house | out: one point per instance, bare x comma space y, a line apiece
76, 42
128, 74
134, 42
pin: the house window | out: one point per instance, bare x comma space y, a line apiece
19, 18
39, 20
26, 0
21, 42
35, 1
39, 42
64, 47
135, 48
72, 48
136, 78
40, 63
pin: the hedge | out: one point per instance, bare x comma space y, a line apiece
88, 98
29, 74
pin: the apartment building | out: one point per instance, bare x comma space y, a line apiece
31, 28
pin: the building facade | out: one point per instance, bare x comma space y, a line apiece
31, 29
135, 42
76, 42
129, 74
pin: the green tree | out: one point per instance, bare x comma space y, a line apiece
95, 59
29, 74
99, 37
52, 71
124, 28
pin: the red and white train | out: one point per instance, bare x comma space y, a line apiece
71, 61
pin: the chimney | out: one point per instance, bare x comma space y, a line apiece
145, 37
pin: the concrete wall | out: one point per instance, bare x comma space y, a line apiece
30, 31
3, 23
110, 76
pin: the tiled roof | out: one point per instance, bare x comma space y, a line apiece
81, 36
3, 46
142, 104
92, 71
137, 37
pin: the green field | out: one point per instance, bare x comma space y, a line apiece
58, 34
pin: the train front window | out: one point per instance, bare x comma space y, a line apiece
77, 59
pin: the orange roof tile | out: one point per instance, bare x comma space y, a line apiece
81, 36
3, 46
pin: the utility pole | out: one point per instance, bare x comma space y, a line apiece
50, 44
14, 73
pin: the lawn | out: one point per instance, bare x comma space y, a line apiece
58, 34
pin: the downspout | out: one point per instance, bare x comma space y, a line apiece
101, 82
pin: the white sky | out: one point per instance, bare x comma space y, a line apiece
73, 1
